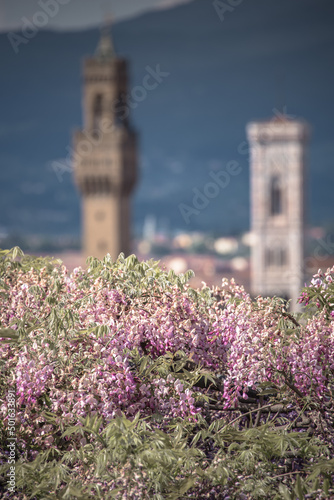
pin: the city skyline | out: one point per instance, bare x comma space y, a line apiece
217, 75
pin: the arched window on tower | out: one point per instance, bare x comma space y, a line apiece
276, 206
282, 257
268, 257
97, 111
121, 110
276, 257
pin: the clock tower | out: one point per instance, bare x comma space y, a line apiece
277, 171
105, 154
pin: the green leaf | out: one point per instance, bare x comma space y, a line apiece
299, 488
9, 333
182, 488
285, 492
326, 485
17, 252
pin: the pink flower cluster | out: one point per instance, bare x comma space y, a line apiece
321, 287
70, 368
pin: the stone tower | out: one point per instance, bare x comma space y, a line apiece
105, 154
277, 171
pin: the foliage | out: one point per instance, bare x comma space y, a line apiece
131, 384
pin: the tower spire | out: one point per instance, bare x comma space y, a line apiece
105, 48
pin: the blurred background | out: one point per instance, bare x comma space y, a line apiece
224, 65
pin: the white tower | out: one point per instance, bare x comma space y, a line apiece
277, 170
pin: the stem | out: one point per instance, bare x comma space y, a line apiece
291, 318
258, 416
299, 414
290, 384
288, 474
243, 415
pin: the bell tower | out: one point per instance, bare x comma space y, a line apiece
105, 154
277, 171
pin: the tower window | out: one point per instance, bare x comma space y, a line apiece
269, 257
121, 109
107, 185
275, 196
97, 110
275, 257
282, 257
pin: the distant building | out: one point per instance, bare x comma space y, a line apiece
105, 154
277, 164
226, 246
149, 227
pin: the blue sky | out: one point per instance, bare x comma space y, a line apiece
76, 14
265, 55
